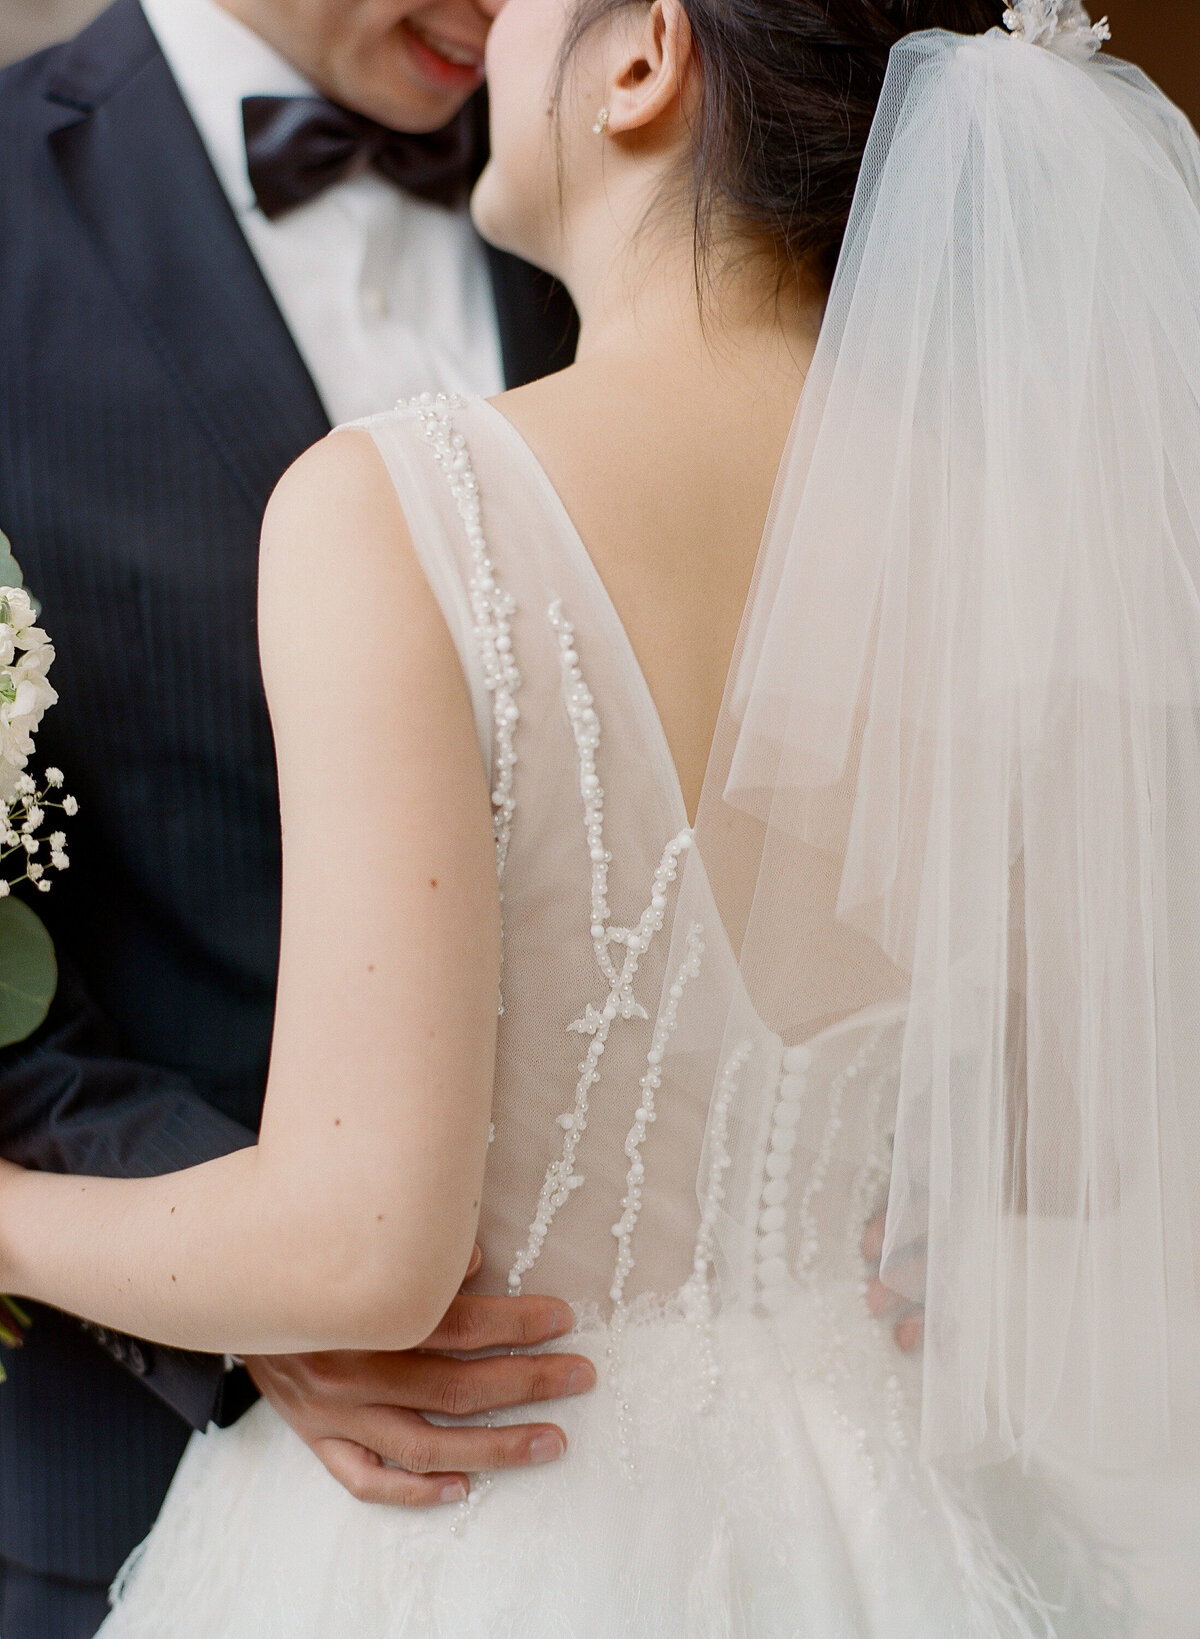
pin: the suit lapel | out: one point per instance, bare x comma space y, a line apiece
539, 327
137, 169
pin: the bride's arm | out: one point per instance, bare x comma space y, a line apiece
351, 1223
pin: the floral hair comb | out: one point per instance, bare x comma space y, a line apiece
1059, 25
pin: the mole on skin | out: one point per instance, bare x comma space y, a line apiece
433, 881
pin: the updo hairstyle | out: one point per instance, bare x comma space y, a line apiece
789, 93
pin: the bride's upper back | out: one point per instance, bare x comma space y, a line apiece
666, 470
592, 818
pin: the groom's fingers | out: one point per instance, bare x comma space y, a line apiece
370, 1479
473, 1323
466, 1388
404, 1446
408, 1442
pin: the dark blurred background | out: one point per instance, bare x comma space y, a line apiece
1162, 35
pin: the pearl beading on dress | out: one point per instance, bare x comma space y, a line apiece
631, 1204
492, 608
810, 1244
561, 1178
869, 1346
771, 1271
697, 1290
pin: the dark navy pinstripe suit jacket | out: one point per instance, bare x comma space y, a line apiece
150, 397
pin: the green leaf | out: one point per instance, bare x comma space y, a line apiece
28, 971
10, 569
23, 1320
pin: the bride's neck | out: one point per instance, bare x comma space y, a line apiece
651, 303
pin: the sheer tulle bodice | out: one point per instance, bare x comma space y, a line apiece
591, 828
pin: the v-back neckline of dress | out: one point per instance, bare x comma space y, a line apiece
648, 706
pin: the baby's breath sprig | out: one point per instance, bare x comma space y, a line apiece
24, 818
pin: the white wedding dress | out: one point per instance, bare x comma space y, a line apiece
736, 1475
958, 767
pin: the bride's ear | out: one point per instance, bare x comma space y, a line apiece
657, 72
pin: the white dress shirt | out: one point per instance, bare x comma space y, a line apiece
386, 295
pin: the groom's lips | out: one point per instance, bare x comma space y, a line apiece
442, 70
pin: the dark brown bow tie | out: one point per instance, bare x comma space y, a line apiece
299, 146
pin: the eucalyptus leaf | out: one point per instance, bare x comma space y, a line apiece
28, 971
10, 569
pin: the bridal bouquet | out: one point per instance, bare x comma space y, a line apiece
28, 973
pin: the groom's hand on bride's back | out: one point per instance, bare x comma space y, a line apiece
364, 1414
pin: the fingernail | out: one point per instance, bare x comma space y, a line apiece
454, 1491
581, 1380
564, 1321
546, 1448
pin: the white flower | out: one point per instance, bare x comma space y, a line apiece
5, 890
35, 871
26, 655
30, 845
34, 819
59, 860
43, 887
54, 778
1062, 26
70, 807
58, 839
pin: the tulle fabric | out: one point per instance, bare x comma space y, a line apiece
811, 1523
959, 762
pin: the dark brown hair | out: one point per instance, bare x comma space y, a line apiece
789, 94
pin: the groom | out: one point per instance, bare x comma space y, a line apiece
203, 263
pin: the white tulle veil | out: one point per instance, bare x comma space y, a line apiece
955, 792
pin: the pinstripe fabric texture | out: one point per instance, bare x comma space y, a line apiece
150, 398
40, 1607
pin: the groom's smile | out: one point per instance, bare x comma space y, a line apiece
448, 62
409, 64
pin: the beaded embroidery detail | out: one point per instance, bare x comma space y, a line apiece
561, 1178
631, 1204
697, 1292
492, 608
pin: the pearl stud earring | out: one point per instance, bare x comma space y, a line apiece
601, 125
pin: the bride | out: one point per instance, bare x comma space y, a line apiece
818, 789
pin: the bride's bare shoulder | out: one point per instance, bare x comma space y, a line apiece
335, 536
338, 483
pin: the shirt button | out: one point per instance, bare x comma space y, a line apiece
375, 303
